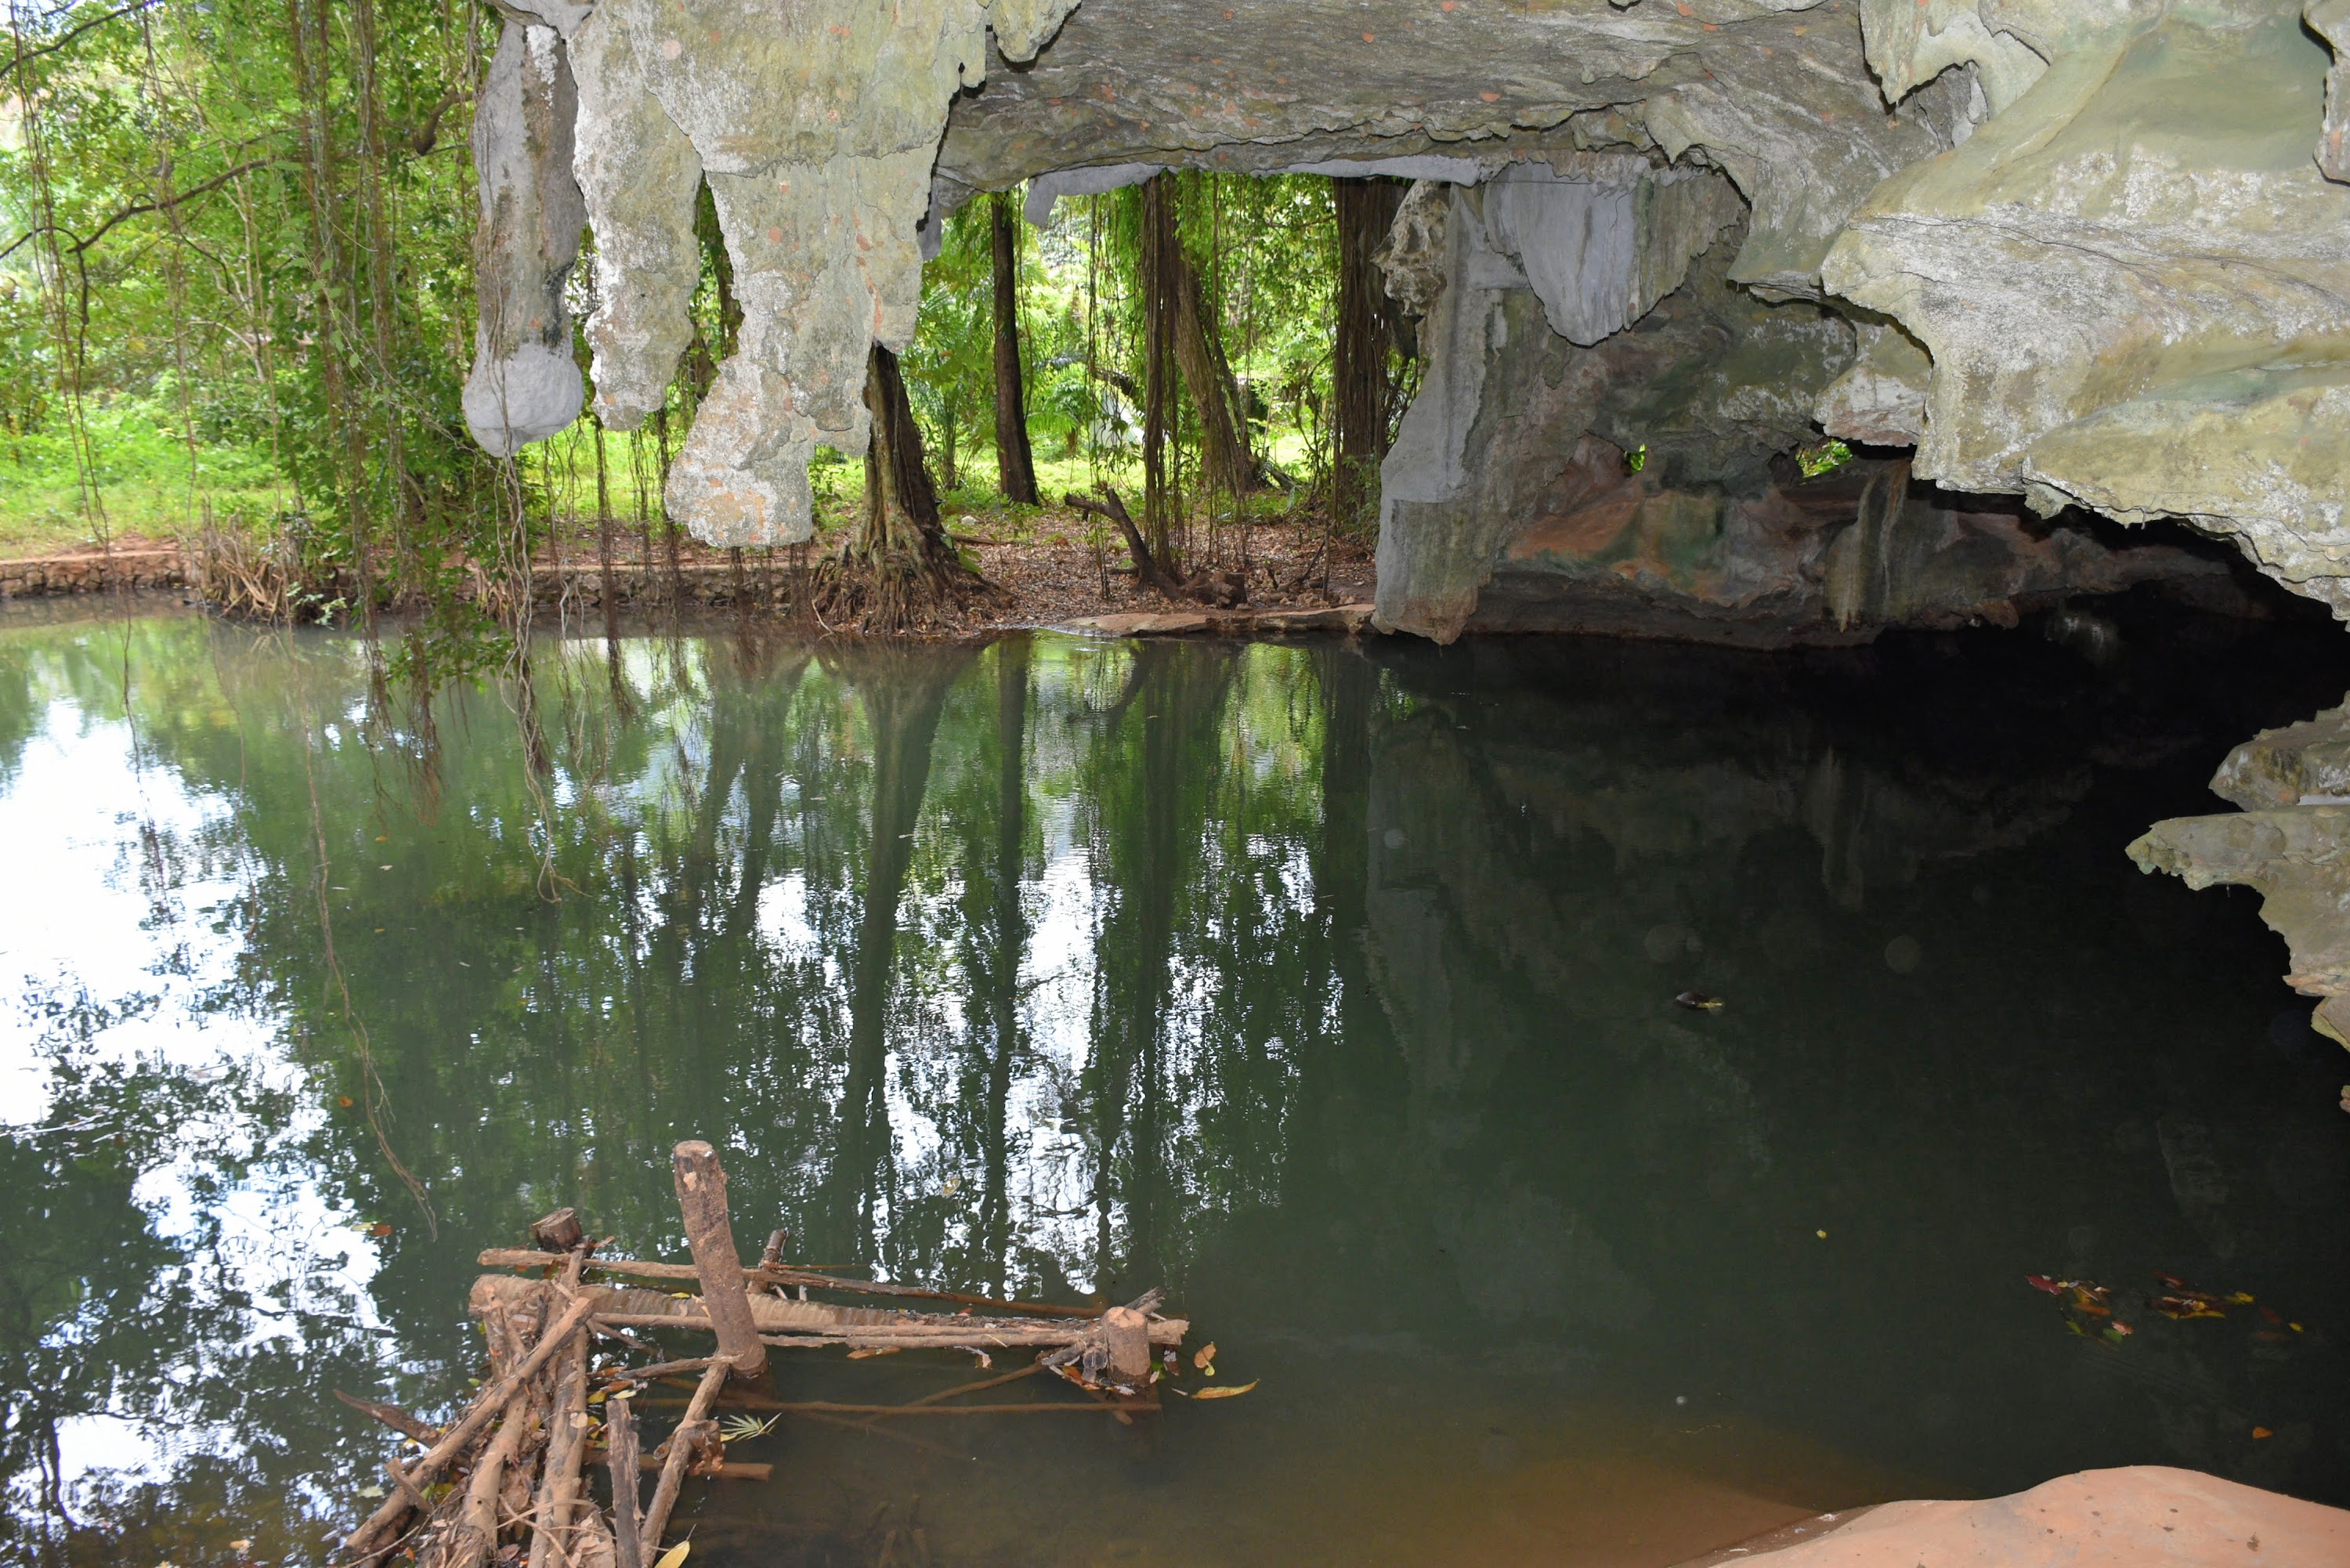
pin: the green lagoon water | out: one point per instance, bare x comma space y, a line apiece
1329, 987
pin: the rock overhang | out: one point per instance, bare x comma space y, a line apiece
2045, 224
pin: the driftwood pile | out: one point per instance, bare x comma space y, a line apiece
513, 1476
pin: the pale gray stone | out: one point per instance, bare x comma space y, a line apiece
524, 386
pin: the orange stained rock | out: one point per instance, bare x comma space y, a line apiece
2146, 1516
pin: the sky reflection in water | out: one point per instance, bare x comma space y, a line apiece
1329, 988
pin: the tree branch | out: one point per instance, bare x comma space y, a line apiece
54, 45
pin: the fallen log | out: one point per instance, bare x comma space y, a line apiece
622, 1459
566, 1447
476, 1535
702, 1198
522, 1258
732, 1470
486, 1409
789, 1324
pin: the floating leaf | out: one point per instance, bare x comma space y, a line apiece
345, 1101
1206, 1357
1699, 1001
2186, 1309
2262, 1432
2241, 1299
675, 1555
1229, 1391
371, 1491
2043, 1283
378, 1229
871, 1351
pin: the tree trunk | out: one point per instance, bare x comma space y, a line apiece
1161, 259
1015, 464
949, 439
1365, 210
897, 558
1224, 455
900, 526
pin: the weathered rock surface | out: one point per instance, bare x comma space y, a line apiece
2143, 1516
2132, 280
2291, 842
1509, 503
815, 127
524, 386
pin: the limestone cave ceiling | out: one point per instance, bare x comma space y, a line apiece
2086, 252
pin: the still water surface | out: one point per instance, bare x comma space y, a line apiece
1330, 988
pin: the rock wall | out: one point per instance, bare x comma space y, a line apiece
1509, 503
2133, 283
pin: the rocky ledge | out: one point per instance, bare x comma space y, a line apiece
2291, 842
2145, 1516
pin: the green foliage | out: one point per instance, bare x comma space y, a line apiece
1266, 253
197, 318
237, 283
1826, 458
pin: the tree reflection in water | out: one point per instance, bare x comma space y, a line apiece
1329, 987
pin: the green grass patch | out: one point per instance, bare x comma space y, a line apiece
145, 482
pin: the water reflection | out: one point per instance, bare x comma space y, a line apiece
1329, 988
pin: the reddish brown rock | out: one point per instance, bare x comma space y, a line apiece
2146, 1516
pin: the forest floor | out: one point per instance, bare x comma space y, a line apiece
1044, 566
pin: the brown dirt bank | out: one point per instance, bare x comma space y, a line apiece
1049, 568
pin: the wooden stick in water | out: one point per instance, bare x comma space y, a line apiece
620, 1432
486, 1409
680, 1452
702, 1200
477, 1525
1030, 1370
522, 1258
566, 1442
660, 1369
392, 1416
